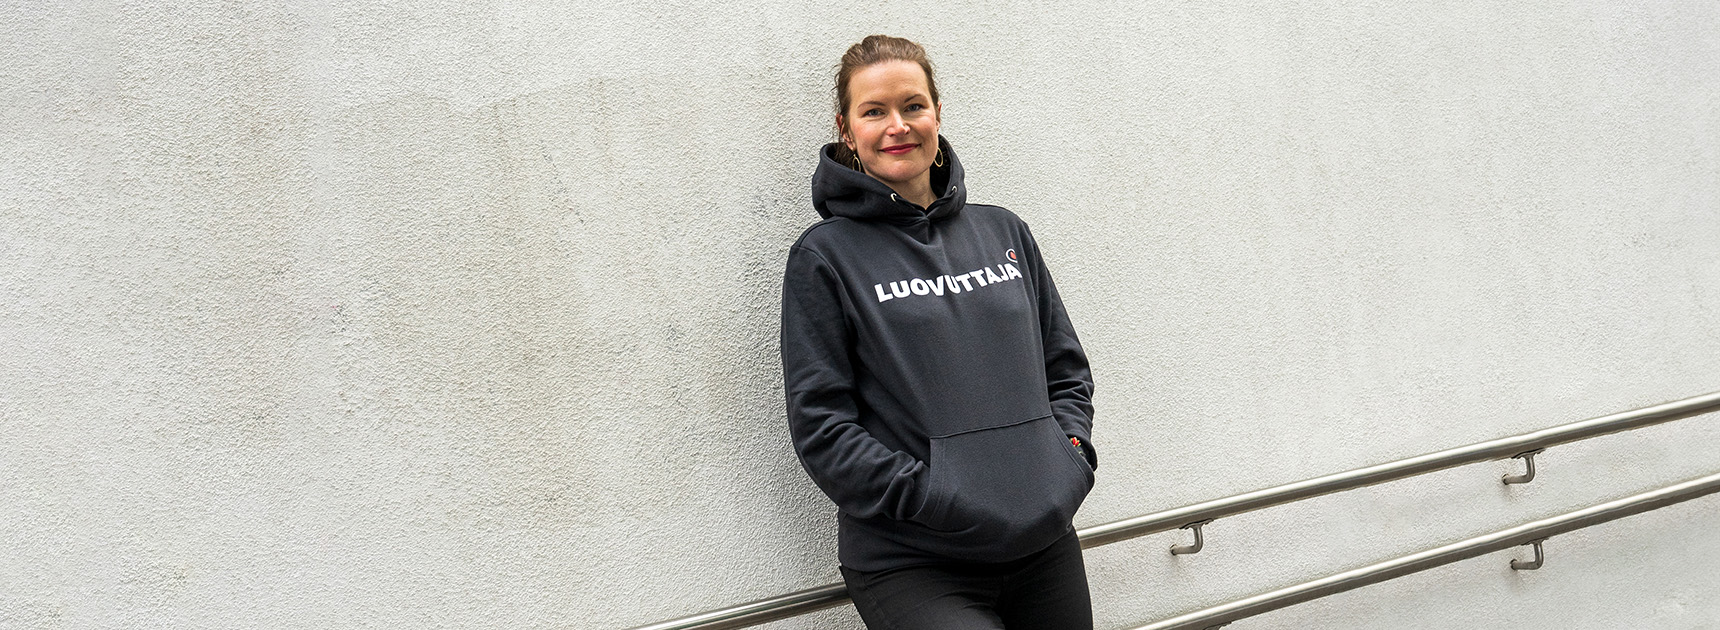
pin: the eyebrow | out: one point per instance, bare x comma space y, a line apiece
910, 98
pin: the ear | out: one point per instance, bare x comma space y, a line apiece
842, 131
940, 112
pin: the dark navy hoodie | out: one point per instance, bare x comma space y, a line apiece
932, 376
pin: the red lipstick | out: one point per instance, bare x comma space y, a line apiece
899, 149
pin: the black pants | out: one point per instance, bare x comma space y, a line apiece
1043, 591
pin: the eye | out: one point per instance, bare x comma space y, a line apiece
873, 112
915, 107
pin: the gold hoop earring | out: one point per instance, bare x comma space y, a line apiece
854, 162
938, 160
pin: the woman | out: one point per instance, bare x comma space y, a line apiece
936, 390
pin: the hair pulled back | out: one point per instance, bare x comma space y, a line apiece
872, 50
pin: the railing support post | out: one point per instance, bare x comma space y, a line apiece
1529, 461
1199, 542
1530, 565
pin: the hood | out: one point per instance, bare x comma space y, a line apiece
839, 191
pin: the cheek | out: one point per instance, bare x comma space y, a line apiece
865, 131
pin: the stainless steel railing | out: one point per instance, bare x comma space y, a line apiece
1193, 516
1527, 534
1503, 448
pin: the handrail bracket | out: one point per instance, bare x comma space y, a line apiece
1530, 565
1528, 461
1199, 542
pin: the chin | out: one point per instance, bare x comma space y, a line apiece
901, 172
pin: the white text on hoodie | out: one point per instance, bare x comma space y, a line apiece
953, 284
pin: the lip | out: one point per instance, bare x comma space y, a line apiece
899, 149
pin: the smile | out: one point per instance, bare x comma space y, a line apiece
899, 149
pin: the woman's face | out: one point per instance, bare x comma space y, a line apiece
891, 121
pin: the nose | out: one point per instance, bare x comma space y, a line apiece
897, 125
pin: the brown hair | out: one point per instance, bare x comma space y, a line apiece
875, 49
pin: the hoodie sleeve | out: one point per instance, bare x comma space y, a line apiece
1068, 379
863, 476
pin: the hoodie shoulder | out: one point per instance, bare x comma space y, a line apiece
998, 214
816, 236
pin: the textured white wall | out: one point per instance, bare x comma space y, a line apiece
463, 314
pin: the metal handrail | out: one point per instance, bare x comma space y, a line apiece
1503, 448
762, 611
1526, 534
830, 595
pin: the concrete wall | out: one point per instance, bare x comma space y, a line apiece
463, 314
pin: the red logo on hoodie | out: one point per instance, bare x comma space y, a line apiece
1011, 255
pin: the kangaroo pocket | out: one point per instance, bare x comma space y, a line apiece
1018, 483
